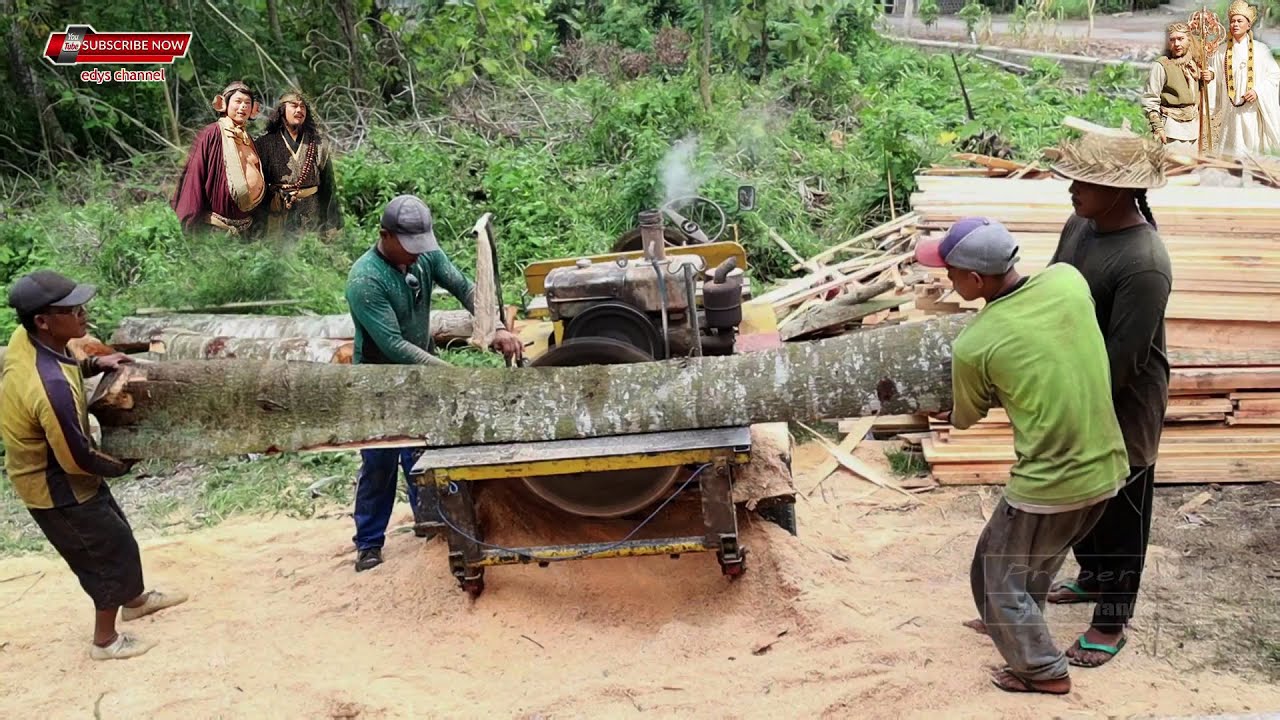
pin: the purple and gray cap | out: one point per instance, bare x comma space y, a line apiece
977, 244
409, 219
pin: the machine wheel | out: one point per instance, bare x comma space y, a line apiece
621, 322
473, 587
732, 570
783, 515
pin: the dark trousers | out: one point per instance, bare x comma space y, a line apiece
1112, 555
376, 494
1017, 557
96, 541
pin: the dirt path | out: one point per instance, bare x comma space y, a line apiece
870, 597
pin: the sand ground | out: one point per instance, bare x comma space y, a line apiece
862, 611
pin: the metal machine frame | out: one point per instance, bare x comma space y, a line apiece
452, 470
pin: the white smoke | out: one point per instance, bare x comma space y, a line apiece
679, 176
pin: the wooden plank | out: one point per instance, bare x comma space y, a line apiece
1200, 380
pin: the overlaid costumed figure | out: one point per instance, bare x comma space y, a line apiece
297, 163
1246, 89
221, 183
1172, 96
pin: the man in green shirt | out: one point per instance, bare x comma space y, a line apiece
389, 293
1035, 350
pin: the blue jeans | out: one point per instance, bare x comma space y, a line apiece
376, 494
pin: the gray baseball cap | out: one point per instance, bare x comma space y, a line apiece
409, 219
978, 244
46, 288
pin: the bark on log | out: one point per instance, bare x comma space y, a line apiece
446, 325
183, 345
222, 407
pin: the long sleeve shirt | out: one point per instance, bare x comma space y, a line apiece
1153, 100
1037, 353
1129, 275
50, 455
392, 317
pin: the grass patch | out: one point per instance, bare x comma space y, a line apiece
906, 463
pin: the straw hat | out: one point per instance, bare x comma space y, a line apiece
1112, 157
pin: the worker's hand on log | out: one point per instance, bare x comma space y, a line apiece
505, 342
1250, 96
112, 362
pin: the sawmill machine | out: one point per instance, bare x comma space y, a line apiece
649, 305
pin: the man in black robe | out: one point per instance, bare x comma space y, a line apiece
298, 167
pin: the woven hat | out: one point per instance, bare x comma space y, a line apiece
1112, 157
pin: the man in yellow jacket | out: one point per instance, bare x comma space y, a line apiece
56, 469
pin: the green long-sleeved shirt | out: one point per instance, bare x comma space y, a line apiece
392, 319
1038, 353
1130, 276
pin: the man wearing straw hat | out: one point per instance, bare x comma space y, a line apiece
1034, 349
1111, 238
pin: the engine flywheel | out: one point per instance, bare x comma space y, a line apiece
605, 494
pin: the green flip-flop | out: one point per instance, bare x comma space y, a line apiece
1078, 594
1110, 650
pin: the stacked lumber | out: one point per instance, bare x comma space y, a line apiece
1222, 327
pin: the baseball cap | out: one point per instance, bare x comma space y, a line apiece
409, 219
978, 244
44, 288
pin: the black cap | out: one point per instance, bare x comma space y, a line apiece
44, 288
409, 219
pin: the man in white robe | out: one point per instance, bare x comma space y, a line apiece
1245, 94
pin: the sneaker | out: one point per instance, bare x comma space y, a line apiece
125, 646
155, 601
368, 559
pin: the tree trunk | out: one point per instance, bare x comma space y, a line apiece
31, 86
138, 332
182, 345
273, 19
762, 6
199, 409
347, 16
704, 70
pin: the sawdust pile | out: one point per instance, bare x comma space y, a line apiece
858, 617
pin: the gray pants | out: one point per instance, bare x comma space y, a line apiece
1017, 557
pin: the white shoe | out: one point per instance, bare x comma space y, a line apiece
125, 646
155, 602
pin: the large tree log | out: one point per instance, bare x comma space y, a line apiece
183, 345
220, 407
446, 325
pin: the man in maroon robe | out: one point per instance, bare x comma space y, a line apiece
222, 182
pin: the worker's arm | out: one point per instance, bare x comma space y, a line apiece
71, 446
372, 311
972, 392
1137, 313
446, 275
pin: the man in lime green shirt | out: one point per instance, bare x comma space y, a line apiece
1034, 349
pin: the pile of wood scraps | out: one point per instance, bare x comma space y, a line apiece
838, 293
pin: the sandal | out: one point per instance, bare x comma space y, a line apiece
1083, 644
1023, 685
1077, 594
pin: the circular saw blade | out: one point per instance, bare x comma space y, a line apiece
606, 494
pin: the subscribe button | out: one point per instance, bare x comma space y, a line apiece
81, 44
